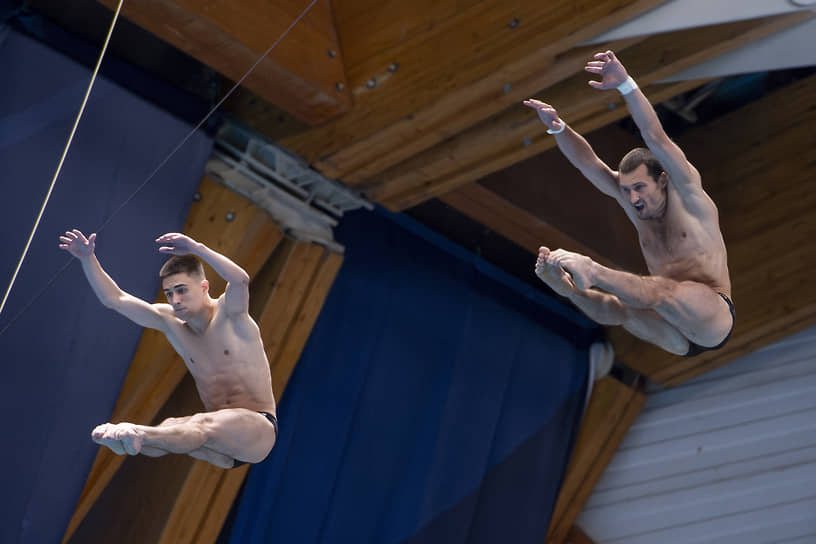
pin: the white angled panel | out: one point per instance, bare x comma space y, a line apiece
680, 14
728, 457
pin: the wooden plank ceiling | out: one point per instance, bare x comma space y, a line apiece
304, 74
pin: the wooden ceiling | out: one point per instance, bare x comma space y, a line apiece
418, 105
410, 101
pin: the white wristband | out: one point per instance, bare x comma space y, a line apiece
560, 130
627, 86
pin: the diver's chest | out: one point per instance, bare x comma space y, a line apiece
668, 241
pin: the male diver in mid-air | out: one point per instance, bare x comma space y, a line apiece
220, 344
684, 306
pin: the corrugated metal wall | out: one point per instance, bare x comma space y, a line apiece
728, 457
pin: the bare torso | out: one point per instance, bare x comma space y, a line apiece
227, 361
685, 246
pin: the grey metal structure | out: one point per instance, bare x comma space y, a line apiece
306, 204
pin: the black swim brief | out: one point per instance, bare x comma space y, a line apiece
696, 349
272, 419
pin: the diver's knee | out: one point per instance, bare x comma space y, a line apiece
678, 345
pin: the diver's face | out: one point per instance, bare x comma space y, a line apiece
646, 196
185, 293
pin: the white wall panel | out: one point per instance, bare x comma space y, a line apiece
728, 457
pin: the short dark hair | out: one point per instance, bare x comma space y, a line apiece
182, 264
638, 156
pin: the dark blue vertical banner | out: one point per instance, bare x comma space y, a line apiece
64, 359
433, 403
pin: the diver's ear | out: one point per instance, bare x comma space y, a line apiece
205, 286
663, 180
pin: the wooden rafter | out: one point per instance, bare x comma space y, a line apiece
454, 68
516, 133
507, 219
612, 408
299, 75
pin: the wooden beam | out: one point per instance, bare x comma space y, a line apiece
376, 153
612, 409
491, 210
308, 312
156, 369
577, 536
517, 133
193, 503
287, 297
529, 140
763, 187
130, 490
299, 75
455, 62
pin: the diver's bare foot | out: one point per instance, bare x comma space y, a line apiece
122, 438
579, 267
130, 436
553, 275
99, 436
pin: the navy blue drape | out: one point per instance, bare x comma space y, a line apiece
436, 401
64, 359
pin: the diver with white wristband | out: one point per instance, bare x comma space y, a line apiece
684, 306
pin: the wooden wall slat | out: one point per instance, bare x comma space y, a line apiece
192, 504
307, 315
220, 504
287, 297
156, 369
611, 410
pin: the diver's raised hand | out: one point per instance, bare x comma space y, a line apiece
75, 243
546, 113
176, 244
610, 69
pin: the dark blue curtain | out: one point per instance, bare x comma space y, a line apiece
436, 401
64, 359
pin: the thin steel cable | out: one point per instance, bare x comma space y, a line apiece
209, 114
62, 158
152, 174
